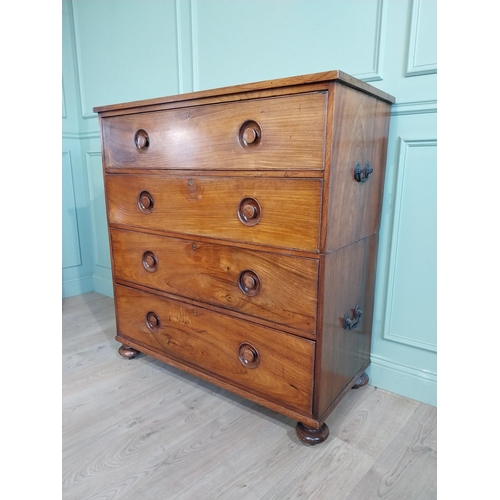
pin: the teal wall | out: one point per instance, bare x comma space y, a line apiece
123, 50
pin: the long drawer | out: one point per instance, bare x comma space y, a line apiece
277, 212
267, 362
261, 134
273, 287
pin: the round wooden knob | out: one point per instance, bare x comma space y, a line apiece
250, 135
145, 202
150, 261
152, 321
141, 139
248, 355
249, 282
249, 211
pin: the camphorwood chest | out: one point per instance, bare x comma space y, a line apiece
243, 226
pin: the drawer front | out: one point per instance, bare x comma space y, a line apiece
269, 363
275, 212
273, 287
274, 133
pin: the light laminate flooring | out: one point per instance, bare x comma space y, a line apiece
139, 429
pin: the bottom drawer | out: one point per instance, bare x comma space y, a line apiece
269, 363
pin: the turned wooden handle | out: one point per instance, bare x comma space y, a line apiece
141, 139
249, 282
150, 261
145, 201
248, 355
249, 211
250, 134
152, 321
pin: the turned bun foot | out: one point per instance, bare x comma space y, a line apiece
363, 380
311, 436
128, 352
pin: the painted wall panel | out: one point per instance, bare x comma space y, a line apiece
404, 335
126, 50
266, 39
422, 39
409, 90
411, 313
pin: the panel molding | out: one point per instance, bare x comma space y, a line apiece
77, 286
194, 45
375, 74
98, 260
414, 108
64, 114
77, 52
183, 26
412, 68
403, 147
68, 165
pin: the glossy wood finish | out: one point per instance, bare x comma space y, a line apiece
213, 342
255, 283
223, 137
238, 92
361, 126
311, 436
348, 279
208, 206
244, 231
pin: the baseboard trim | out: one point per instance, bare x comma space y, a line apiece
77, 286
102, 286
403, 380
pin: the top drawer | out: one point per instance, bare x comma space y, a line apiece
277, 133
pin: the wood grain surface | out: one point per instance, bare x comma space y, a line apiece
141, 429
212, 342
208, 206
211, 273
291, 136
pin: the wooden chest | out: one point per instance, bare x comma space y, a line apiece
243, 226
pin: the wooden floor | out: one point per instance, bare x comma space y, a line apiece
139, 429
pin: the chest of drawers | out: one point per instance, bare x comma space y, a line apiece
243, 226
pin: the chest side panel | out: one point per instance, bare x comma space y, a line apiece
358, 159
